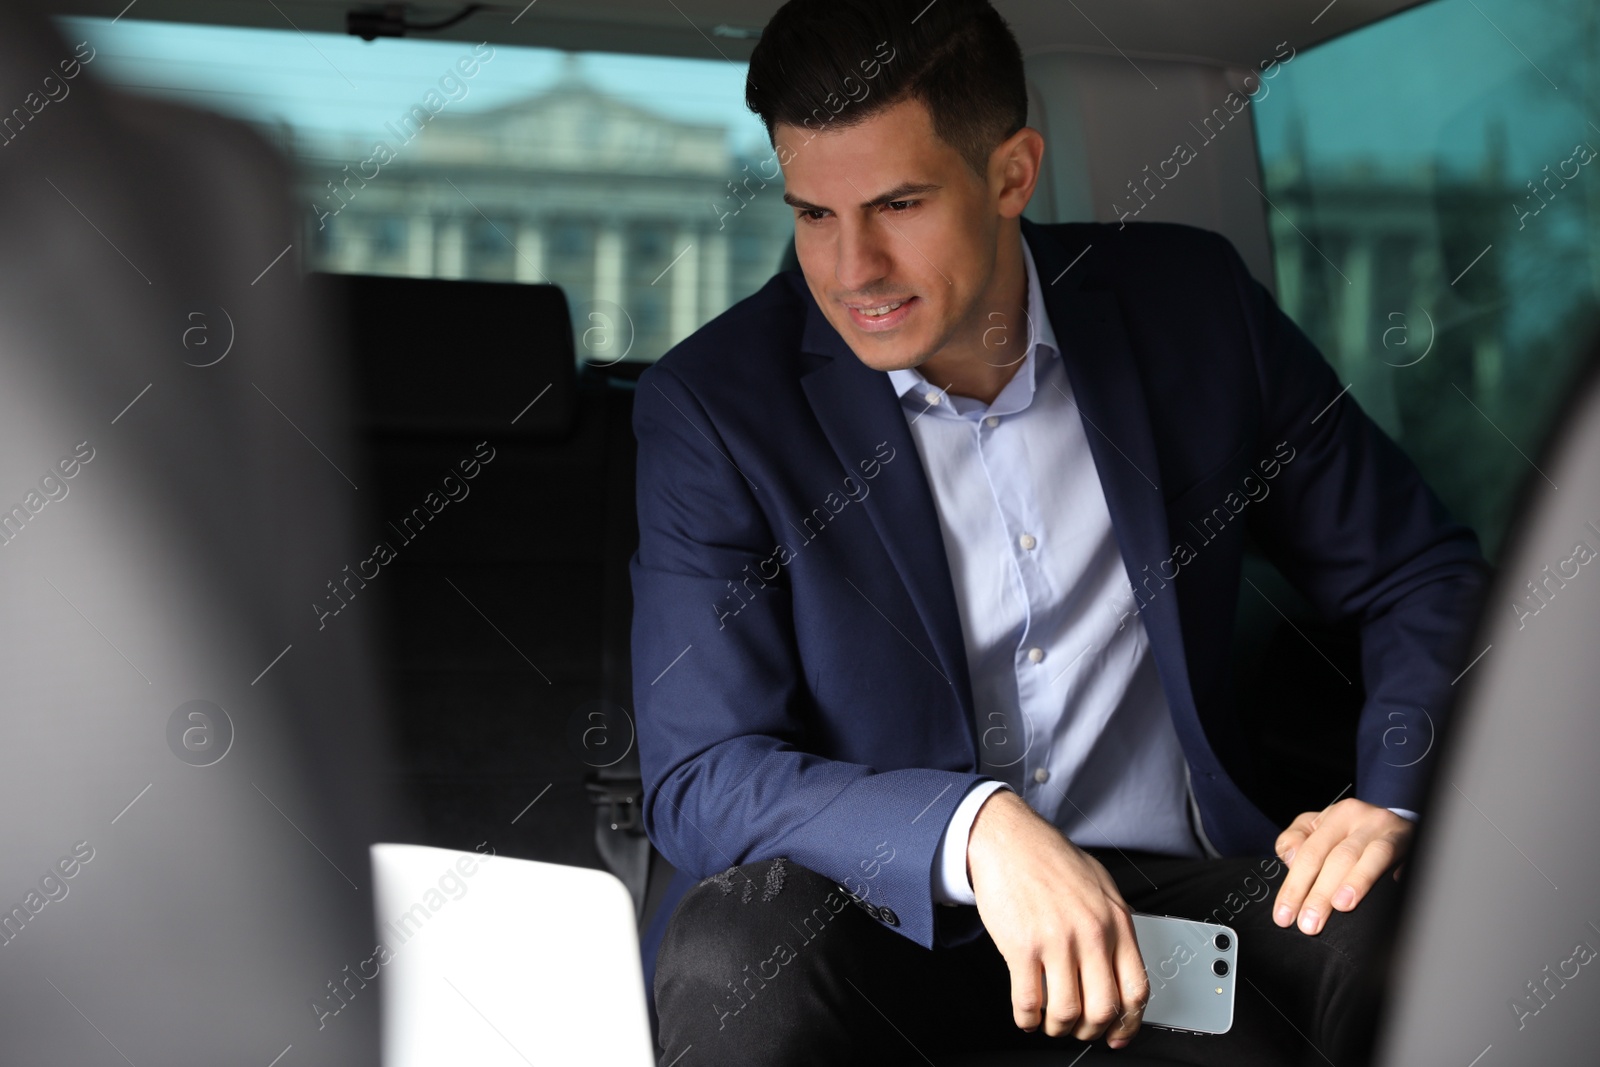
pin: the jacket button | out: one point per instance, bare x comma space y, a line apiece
888, 916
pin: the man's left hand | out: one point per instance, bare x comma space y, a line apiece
1334, 857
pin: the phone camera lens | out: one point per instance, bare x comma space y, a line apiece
1222, 941
1219, 967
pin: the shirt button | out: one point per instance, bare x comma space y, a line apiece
1036, 654
1027, 541
992, 421
931, 397
1041, 776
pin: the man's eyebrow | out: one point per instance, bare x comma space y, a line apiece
902, 191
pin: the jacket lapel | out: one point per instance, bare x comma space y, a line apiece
857, 409
1109, 397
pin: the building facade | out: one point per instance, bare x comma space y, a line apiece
651, 226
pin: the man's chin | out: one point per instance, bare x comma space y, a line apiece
887, 357
886, 353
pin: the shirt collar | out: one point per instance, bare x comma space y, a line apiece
1018, 392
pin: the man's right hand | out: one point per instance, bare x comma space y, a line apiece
1057, 918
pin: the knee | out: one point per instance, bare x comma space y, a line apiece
741, 910
739, 955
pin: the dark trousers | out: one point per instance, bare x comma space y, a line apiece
778, 967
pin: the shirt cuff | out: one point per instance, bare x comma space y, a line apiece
1405, 813
950, 882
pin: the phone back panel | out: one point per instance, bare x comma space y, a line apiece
1180, 958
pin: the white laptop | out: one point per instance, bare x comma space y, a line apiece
492, 961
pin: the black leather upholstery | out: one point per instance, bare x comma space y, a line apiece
504, 621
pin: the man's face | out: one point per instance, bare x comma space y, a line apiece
889, 214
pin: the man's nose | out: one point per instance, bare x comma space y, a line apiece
862, 256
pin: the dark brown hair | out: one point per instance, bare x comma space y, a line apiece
823, 64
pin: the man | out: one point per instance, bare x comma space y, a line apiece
939, 551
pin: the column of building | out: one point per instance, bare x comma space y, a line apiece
450, 247
685, 314
714, 268
530, 252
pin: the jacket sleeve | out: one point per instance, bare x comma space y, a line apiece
1352, 524
727, 744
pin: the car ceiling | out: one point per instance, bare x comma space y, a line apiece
1238, 33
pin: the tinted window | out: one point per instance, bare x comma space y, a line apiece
610, 175
1435, 214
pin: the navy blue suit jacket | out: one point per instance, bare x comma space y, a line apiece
799, 669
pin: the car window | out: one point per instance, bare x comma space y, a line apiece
633, 182
1433, 194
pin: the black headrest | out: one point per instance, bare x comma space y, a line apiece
433, 355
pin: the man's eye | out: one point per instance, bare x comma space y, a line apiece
813, 216
898, 206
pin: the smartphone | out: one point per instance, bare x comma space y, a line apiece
1191, 967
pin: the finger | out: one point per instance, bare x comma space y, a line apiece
1302, 875
1375, 859
1098, 987
1295, 835
1288, 844
1336, 869
1063, 998
1135, 986
1027, 993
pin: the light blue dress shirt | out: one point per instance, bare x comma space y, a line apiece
1071, 713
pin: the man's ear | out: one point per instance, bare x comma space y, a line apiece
1014, 171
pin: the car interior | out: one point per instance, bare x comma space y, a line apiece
534, 234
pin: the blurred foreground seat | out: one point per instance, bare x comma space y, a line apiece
1496, 962
191, 770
